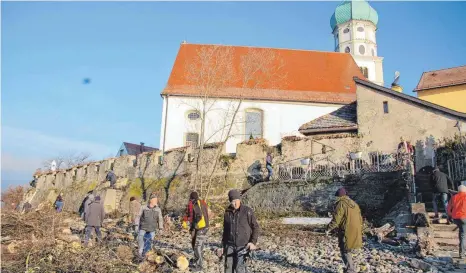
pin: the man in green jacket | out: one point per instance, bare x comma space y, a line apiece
348, 221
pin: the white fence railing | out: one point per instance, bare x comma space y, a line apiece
310, 168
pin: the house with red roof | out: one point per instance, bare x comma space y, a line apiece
446, 87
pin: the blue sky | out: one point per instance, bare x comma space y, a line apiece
128, 49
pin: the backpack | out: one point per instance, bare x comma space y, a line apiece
199, 220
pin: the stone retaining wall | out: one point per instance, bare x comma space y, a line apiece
376, 194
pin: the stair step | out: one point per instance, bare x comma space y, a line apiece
438, 221
448, 248
443, 227
445, 234
447, 241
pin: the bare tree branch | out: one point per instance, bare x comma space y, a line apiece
213, 71
68, 160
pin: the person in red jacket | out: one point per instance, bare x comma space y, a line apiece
198, 219
457, 211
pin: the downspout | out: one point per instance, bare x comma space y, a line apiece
165, 127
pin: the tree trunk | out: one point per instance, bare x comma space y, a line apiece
220, 150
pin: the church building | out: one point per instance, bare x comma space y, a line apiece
312, 84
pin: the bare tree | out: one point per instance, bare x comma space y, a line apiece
210, 71
12, 196
215, 71
66, 161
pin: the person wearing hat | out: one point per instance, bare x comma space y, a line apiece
149, 220
240, 232
198, 217
348, 221
94, 215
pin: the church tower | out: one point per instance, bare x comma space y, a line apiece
354, 25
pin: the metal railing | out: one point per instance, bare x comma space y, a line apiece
309, 168
457, 167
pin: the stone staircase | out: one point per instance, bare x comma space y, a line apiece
445, 236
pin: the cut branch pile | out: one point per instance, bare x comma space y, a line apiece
37, 244
46, 241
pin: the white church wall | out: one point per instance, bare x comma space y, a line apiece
279, 119
366, 63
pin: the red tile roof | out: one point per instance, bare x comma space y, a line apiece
442, 78
310, 76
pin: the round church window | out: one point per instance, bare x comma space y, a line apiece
347, 49
360, 29
362, 49
346, 30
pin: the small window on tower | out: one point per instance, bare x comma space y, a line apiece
360, 29
373, 52
362, 49
385, 107
364, 71
346, 30
347, 49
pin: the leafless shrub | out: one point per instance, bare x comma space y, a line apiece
12, 196
39, 246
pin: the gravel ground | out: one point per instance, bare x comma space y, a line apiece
295, 249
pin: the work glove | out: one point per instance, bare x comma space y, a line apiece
251, 246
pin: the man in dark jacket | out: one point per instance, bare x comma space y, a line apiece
441, 183
149, 220
347, 219
86, 201
94, 216
111, 177
240, 232
198, 217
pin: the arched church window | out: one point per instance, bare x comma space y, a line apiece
373, 52
364, 71
254, 126
362, 49
346, 30
360, 29
347, 49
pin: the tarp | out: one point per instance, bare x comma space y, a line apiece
306, 221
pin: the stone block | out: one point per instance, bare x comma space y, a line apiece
52, 196
110, 200
122, 182
418, 208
